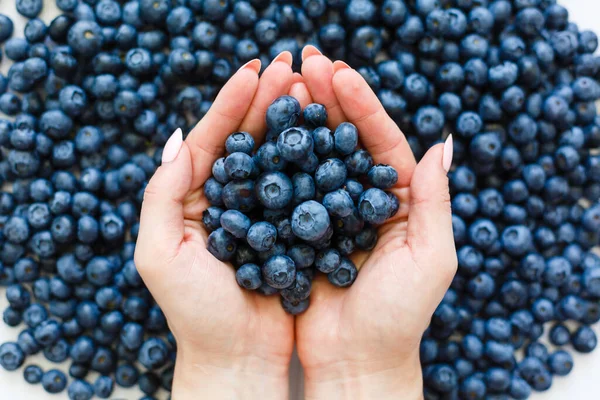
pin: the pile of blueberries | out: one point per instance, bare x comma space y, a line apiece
297, 205
94, 93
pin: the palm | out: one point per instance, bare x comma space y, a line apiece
241, 323
387, 288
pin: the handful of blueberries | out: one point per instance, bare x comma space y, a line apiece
297, 205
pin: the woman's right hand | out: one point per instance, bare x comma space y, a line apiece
363, 342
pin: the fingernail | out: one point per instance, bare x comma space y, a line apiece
448, 152
310, 50
284, 56
252, 64
339, 65
172, 147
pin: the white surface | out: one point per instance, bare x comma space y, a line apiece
583, 383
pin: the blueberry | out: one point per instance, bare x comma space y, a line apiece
473, 387
235, 223
149, 383
211, 218
517, 240
12, 317
338, 203
182, 61
303, 186
559, 335
85, 37
295, 308
238, 165
588, 42
330, 175
239, 195
344, 275
239, 142
6, 28
221, 244
34, 315
412, 30
315, 115
295, 144
248, 276
366, 239
27, 343
23, 164
261, 236
584, 340
366, 42
279, 272
126, 375
497, 379
564, 44
10, 104
481, 286
309, 164
79, 389
300, 289
557, 270
269, 158
282, 114
58, 352
274, 190
591, 281
442, 378
54, 381
429, 122
390, 74
33, 374
16, 230
374, 206
266, 32
310, 221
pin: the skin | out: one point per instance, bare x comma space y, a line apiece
360, 342
363, 342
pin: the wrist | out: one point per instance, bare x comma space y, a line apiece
366, 380
214, 377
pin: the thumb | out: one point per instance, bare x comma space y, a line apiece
161, 221
430, 218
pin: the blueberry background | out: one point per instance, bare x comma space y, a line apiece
581, 383
12, 384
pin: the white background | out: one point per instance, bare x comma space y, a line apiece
582, 383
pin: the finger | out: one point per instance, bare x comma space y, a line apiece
317, 71
379, 133
207, 140
309, 51
161, 220
296, 77
274, 82
300, 92
430, 218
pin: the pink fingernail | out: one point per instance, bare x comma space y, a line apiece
310, 50
448, 152
284, 56
339, 65
252, 64
171, 149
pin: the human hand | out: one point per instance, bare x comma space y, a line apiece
231, 343
363, 342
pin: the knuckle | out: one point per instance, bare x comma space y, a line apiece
140, 258
150, 191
